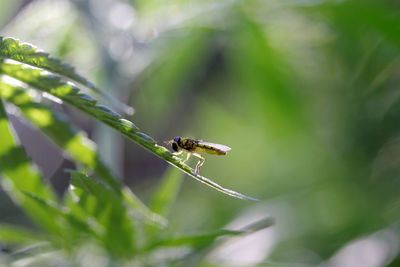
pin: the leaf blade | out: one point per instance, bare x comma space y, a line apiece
69, 93
28, 54
10, 234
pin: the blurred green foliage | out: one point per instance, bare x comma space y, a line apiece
304, 91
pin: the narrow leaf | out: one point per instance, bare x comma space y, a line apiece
163, 199
110, 212
70, 226
195, 241
141, 211
28, 54
58, 128
19, 175
15, 165
205, 239
69, 93
75, 143
166, 193
10, 234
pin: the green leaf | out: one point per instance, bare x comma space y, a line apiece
75, 143
376, 15
108, 210
196, 241
58, 128
15, 165
163, 199
270, 78
18, 175
28, 54
71, 227
141, 211
202, 244
10, 234
199, 241
69, 93
166, 193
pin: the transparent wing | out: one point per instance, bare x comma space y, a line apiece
216, 146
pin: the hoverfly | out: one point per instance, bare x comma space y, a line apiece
193, 147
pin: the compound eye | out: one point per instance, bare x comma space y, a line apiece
177, 139
175, 146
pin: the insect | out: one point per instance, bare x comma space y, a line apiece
194, 147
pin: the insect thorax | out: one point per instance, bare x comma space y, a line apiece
188, 144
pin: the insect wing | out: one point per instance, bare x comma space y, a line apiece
215, 146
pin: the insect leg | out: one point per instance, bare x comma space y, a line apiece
178, 153
187, 157
199, 164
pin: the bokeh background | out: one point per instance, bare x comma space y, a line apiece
306, 92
